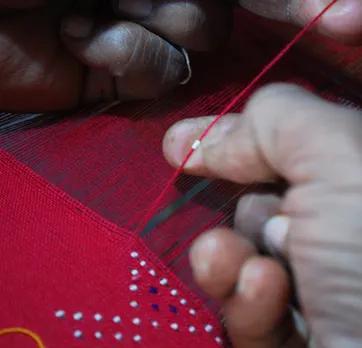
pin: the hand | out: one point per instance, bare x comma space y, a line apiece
57, 54
316, 227
343, 21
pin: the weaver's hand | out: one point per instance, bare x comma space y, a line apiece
342, 22
316, 227
51, 59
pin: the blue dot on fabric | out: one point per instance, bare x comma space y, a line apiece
153, 291
173, 309
155, 307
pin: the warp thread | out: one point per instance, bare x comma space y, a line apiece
266, 69
22, 331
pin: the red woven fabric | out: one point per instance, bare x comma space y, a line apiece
73, 189
58, 255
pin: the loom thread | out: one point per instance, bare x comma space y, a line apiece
22, 331
266, 69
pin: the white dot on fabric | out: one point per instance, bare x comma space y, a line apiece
152, 272
174, 292
134, 254
174, 326
116, 319
183, 301
133, 287
60, 314
118, 336
155, 324
137, 338
78, 316
134, 272
134, 304
78, 334
98, 335
98, 317
192, 329
218, 340
208, 328
192, 312
136, 321
163, 281
143, 263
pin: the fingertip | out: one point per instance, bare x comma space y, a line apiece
261, 277
343, 21
177, 141
260, 302
76, 27
216, 258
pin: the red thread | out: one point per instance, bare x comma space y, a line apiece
279, 56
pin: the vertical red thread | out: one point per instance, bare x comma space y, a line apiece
269, 66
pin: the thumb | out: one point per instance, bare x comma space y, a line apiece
284, 131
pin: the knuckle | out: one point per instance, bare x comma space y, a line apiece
273, 95
128, 50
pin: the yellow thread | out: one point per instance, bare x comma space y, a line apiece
19, 330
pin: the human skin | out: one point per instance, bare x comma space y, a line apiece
316, 227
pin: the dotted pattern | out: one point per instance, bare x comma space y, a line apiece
146, 289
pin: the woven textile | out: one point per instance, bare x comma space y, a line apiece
74, 187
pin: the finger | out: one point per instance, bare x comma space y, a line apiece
198, 25
216, 258
142, 64
285, 131
342, 22
257, 219
257, 316
252, 213
255, 311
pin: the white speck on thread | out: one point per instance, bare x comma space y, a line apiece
116, 319
98, 317
78, 334
60, 314
174, 292
78, 316
196, 144
133, 287
183, 301
143, 263
208, 328
134, 272
155, 324
134, 255
98, 335
218, 340
192, 329
152, 272
192, 312
118, 336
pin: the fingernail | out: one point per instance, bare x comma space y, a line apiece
249, 278
275, 233
136, 8
179, 140
77, 27
204, 250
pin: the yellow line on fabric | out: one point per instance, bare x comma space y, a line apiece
22, 331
